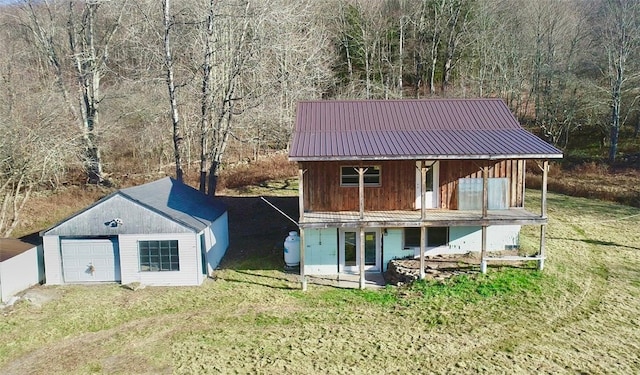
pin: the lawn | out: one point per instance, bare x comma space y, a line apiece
580, 315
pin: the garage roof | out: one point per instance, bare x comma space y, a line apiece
412, 129
176, 202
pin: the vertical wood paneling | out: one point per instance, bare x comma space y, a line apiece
322, 190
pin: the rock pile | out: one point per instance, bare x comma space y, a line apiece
405, 271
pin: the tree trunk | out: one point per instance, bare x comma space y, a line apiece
615, 116
206, 101
178, 139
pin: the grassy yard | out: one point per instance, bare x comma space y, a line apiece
580, 315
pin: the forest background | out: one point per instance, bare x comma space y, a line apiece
117, 92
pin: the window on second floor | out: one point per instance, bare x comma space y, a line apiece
349, 175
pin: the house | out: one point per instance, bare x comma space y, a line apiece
160, 233
385, 179
20, 267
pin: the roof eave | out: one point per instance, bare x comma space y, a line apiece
426, 157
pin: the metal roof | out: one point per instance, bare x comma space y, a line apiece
177, 201
169, 198
412, 129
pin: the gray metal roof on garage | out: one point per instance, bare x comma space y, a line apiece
173, 200
412, 129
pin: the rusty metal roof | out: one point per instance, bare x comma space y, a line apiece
10, 247
412, 129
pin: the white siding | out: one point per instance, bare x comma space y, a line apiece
499, 237
393, 246
321, 251
188, 250
216, 241
466, 239
18, 273
52, 261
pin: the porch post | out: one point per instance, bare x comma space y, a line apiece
483, 253
485, 190
423, 189
362, 247
543, 213
543, 199
543, 228
303, 277
361, 190
423, 240
301, 193
485, 209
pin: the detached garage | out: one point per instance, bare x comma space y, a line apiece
160, 233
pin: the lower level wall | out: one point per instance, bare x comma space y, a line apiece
322, 245
321, 251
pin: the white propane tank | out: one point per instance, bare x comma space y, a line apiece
292, 249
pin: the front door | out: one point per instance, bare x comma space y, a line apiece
432, 187
350, 250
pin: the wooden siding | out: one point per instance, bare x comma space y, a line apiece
322, 190
453, 170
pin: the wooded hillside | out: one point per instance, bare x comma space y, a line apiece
95, 90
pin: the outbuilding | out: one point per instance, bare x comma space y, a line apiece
160, 233
20, 267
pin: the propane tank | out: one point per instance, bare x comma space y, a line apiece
292, 249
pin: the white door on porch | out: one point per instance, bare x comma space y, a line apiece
433, 178
350, 250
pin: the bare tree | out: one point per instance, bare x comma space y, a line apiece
228, 54
178, 139
619, 37
89, 54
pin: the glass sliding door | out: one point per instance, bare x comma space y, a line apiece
350, 250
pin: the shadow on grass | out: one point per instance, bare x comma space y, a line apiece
595, 242
257, 232
268, 283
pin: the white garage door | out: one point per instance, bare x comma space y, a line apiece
90, 260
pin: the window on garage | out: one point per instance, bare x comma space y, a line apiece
159, 255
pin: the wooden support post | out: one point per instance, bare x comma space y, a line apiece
485, 191
483, 252
543, 199
423, 241
301, 193
303, 277
362, 249
542, 246
485, 209
361, 172
423, 190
